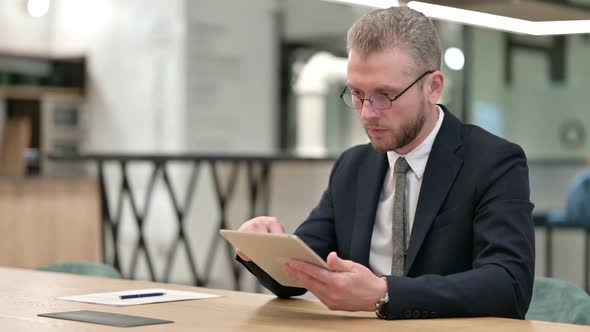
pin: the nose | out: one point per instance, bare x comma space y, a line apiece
368, 111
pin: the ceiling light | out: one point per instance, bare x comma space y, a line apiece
561, 27
370, 3
491, 21
454, 58
503, 23
38, 8
471, 17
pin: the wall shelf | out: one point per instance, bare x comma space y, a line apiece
42, 97
38, 92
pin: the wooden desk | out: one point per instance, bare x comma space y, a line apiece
25, 293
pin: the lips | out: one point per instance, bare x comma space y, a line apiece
376, 131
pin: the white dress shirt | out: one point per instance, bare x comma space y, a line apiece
381, 240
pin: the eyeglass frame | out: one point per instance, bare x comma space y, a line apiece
391, 100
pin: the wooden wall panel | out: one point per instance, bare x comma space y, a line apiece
16, 138
48, 220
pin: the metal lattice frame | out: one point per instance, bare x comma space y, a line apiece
258, 173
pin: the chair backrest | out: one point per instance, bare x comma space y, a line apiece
559, 301
84, 268
578, 200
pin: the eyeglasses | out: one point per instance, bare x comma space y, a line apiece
378, 101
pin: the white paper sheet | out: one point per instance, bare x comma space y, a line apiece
113, 298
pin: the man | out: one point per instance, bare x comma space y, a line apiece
433, 219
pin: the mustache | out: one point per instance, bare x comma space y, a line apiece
368, 125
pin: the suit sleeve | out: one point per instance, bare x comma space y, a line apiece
501, 279
317, 231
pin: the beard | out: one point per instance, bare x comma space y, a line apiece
402, 137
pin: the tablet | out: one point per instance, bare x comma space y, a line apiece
271, 251
105, 318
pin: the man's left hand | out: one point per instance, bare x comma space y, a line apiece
349, 286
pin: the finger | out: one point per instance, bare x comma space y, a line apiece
274, 226
242, 255
270, 224
318, 288
319, 273
312, 284
320, 291
255, 226
262, 224
338, 264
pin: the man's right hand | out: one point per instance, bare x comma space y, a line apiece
260, 225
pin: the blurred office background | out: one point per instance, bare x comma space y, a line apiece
132, 130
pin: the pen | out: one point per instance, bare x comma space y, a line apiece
135, 296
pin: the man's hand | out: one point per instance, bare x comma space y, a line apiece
260, 225
349, 286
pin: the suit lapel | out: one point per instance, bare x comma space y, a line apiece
441, 170
369, 183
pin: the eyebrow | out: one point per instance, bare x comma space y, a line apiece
380, 89
387, 88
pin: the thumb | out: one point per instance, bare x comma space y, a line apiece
338, 264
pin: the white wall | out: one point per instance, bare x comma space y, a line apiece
21, 33
231, 76
313, 19
135, 99
531, 109
175, 75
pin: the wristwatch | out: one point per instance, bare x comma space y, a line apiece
381, 305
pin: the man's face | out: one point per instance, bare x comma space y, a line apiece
388, 72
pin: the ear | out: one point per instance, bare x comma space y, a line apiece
434, 86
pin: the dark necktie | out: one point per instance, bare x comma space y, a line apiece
400, 217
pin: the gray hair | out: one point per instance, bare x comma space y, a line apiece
400, 27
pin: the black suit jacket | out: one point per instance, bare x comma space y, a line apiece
471, 250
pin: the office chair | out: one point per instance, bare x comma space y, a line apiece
559, 301
577, 211
84, 268
578, 200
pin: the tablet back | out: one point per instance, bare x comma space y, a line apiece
271, 251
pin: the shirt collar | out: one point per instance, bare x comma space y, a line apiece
418, 157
